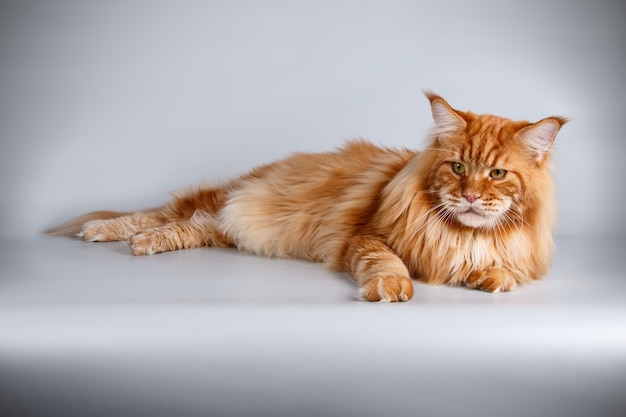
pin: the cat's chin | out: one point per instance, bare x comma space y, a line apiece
473, 219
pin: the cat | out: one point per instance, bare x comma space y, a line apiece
475, 208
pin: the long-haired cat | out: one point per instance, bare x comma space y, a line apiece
474, 208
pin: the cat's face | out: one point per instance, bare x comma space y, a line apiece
486, 170
478, 182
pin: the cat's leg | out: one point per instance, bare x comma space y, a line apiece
198, 231
491, 280
183, 207
121, 228
380, 273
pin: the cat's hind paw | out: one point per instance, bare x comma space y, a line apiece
387, 289
102, 231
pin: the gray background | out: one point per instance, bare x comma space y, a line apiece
111, 105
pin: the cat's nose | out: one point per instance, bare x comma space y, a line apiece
471, 197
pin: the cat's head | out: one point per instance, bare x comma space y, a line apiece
486, 171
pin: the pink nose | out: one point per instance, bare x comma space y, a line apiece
471, 197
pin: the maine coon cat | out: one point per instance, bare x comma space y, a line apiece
475, 208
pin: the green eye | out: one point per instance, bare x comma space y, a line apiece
458, 167
497, 174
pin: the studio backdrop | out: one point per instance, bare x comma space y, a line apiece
112, 104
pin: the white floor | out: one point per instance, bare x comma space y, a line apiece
89, 330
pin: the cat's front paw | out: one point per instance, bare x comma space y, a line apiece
387, 289
491, 280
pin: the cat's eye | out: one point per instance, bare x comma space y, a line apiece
497, 174
458, 168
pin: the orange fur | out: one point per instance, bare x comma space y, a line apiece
475, 208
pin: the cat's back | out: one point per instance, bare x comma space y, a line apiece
349, 162
304, 204
309, 177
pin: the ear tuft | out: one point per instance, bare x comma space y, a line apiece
447, 120
539, 136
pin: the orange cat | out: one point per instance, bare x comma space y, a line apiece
475, 208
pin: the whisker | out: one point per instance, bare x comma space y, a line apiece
513, 222
519, 215
425, 214
446, 215
429, 221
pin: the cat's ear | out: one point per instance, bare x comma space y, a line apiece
538, 137
447, 120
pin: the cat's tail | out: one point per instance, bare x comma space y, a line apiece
72, 228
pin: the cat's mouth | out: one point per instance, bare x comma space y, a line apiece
472, 212
473, 218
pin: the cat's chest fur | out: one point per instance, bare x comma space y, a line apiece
451, 255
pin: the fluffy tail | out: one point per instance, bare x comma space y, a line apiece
73, 227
